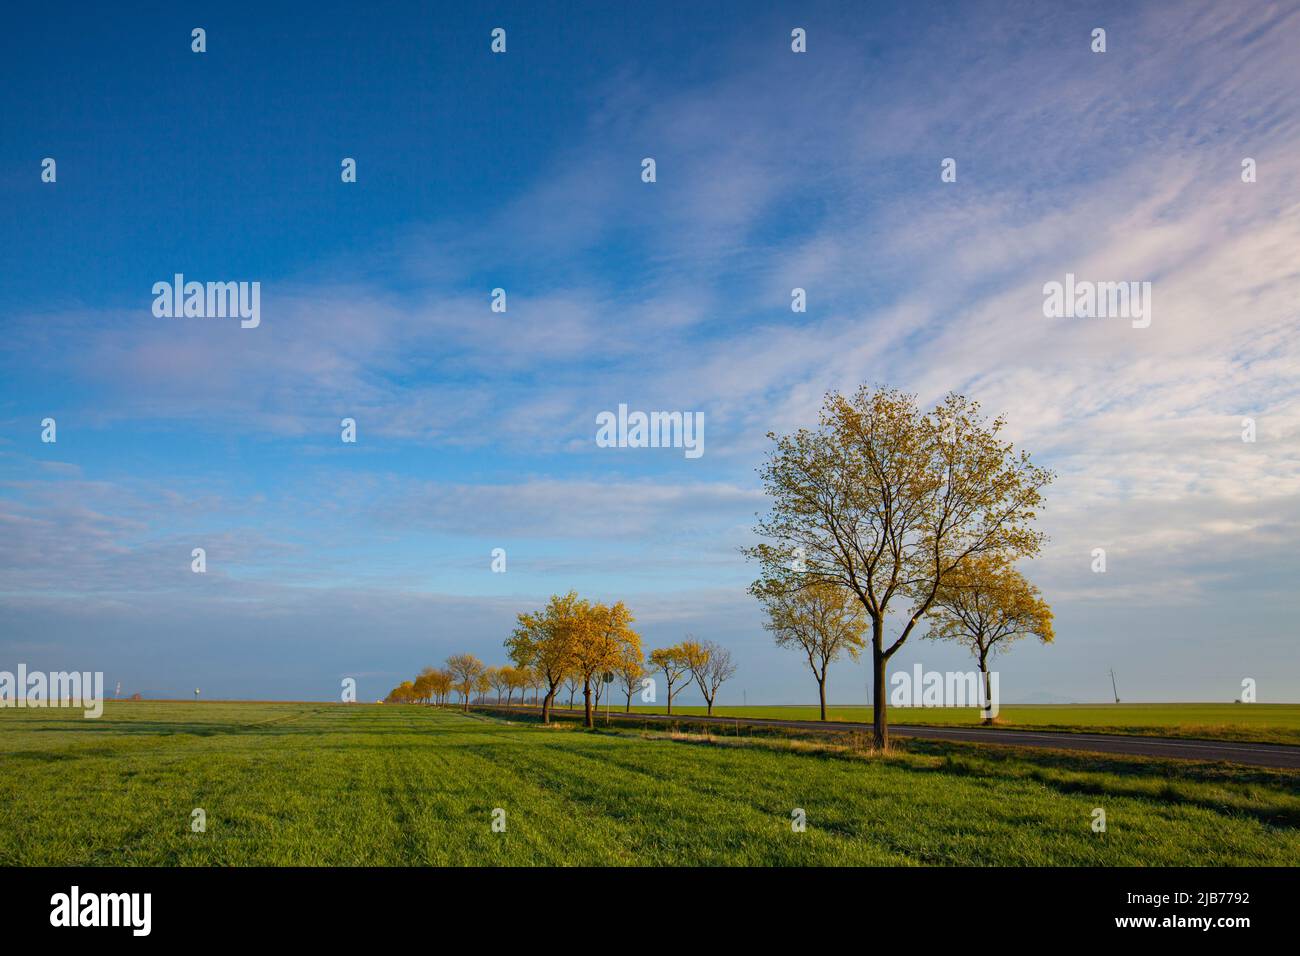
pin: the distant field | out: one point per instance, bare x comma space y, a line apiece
366, 784
1265, 723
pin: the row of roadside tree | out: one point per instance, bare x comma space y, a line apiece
883, 516
574, 643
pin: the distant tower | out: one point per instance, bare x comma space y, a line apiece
1113, 687
196, 693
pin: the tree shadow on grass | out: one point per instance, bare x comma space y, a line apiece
1269, 796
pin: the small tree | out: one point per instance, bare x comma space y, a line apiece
424, 685
546, 642
499, 678
506, 673
603, 640
442, 681
822, 621
675, 666
403, 693
630, 673
986, 606
571, 684
466, 670
523, 681
711, 664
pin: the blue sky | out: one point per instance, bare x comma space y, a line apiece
522, 171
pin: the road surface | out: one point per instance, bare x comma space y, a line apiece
1278, 756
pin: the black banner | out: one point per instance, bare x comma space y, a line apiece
368, 906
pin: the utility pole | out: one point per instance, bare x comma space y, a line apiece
1113, 686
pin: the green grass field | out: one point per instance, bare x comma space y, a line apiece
1264, 723
367, 784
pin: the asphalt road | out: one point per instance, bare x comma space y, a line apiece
1278, 756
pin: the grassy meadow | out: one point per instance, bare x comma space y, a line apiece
320, 784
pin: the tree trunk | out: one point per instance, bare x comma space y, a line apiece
629, 702
821, 691
879, 696
546, 707
586, 701
670, 700
988, 690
